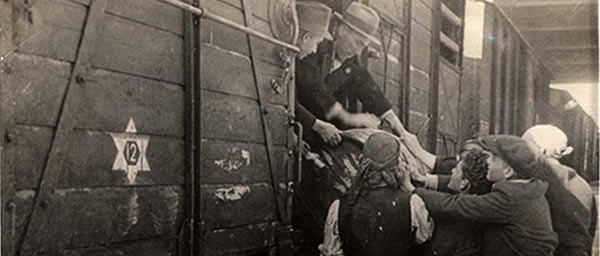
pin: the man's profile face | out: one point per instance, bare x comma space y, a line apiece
348, 43
308, 44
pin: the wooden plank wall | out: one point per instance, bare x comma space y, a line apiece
448, 113
232, 152
135, 73
513, 86
388, 68
420, 68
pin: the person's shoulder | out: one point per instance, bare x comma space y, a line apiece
521, 188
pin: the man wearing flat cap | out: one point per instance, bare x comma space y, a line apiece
323, 78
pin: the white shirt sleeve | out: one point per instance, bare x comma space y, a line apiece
332, 243
422, 224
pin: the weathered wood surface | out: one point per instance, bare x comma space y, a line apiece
421, 13
235, 205
448, 99
103, 215
137, 49
149, 247
36, 86
231, 73
90, 160
420, 42
151, 13
239, 163
56, 30
233, 118
239, 239
109, 99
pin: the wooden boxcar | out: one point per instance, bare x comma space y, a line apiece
582, 132
133, 127
508, 85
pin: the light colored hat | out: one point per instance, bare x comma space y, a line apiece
314, 17
362, 19
551, 140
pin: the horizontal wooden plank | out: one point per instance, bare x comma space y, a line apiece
420, 50
52, 42
237, 119
419, 79
151, 247
421, 13
83, 217
56, 30
109, 100
395, 69
227, 206
230, 10
37, 86
153, 13
390, 9
223, 37
240, 239
133, 48
419, 100
231, 73
90, 161
233, 162
392, 92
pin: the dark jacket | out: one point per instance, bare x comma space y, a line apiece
318, 90
378, 223
517, 216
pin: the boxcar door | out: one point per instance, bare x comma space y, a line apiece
93, 110
245, 145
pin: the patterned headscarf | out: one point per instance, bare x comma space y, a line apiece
378, 166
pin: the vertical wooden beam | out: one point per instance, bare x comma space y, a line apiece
66, 122
405, 90
493, 74
436, 19
188, 240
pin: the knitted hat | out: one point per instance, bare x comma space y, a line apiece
551, 140
382, 149
513, 150
314, 17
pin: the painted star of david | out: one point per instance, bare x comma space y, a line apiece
131, 152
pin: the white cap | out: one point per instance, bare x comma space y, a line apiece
551, 140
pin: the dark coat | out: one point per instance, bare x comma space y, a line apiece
377, 224
517, 217
318, 90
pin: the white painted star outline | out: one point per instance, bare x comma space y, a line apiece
131, 152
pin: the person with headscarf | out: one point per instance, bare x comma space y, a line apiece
377, 217
551, 142
516, 214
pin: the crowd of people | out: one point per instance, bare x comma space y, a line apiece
501, 195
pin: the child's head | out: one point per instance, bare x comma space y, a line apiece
474, 173
313, 20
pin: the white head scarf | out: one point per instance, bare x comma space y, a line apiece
551, 140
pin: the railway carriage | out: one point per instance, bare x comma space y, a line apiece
164, 127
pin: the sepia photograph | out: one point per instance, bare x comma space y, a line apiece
299, 127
